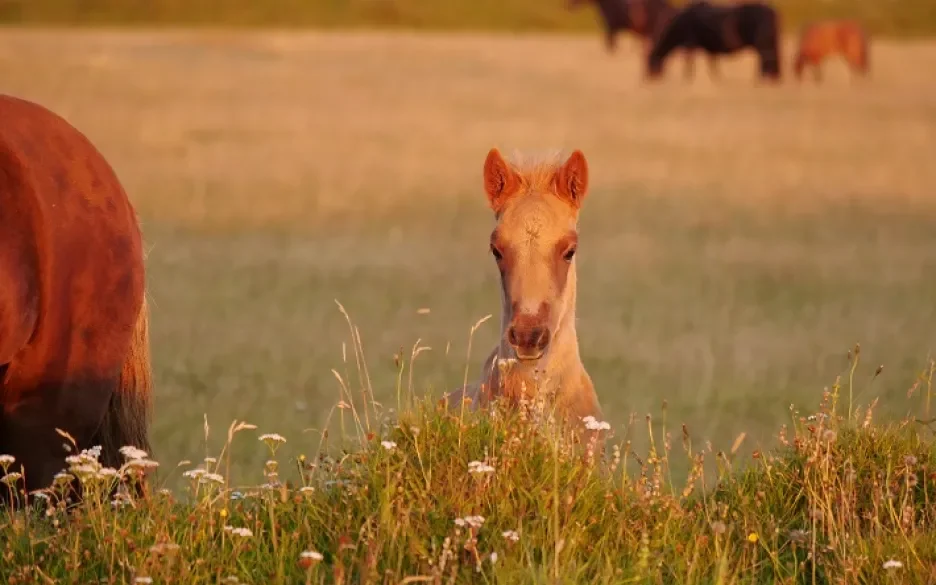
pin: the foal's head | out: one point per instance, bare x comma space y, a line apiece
534, 245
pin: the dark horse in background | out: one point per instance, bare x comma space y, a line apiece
74, 340
721, 29
645, 18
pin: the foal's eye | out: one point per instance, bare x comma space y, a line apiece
497, 253
570, 253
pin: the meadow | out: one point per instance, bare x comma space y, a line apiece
737, 242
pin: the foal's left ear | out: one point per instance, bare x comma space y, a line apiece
572, 179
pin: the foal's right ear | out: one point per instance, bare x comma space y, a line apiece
500, 181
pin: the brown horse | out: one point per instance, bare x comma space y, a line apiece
722, 29
74, 342
646, 19
534, 243
820, 39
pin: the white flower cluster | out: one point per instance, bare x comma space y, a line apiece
473, 521
479, 467
593, 424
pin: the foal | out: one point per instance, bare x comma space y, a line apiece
534, 243
820, 39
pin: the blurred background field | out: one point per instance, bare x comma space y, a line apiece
737, 240
890, 17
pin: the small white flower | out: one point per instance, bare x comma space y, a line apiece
274, 438
210, 460
12, 477
388, 445
194, 473
306, 489
511, 535
6, 460
479, 467
892, 564
459, 522
143, 580
592, 424
62, 477
474, 521
493, 557
311, 555
245, 532
131, 452
212, 477
142, 463
107, 472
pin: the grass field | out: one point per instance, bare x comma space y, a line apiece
737, 242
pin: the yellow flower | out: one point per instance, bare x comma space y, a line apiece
224, 512
752, 537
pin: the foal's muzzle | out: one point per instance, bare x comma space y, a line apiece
528, 342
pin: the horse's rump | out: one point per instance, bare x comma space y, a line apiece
71, 304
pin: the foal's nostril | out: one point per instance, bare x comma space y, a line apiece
539, 338
512, 336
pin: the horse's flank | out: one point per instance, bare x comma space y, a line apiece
536, 205
74, 344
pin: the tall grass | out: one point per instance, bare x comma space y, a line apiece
422, 495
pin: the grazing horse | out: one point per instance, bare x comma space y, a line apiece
74, 341
721, 30
645, 18
820, 39
534, 244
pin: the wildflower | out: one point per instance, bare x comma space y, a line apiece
493, 557
272, 439
474, 521
459, 522
829, 436
12, 477
311, 555
131, 452
245, 532
479, 467
718, 527
62, 477
752, 537
388, 445
212, 477
511, 535
592, 424
6, 461
210, 460
107, 472
143, 580
142, 463
892, 564
194, 473
908, 460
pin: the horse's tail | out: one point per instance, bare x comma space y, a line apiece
126, 422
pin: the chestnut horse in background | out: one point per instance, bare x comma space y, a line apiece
820, 39
534, 243
645, 18
722, 29
74, 341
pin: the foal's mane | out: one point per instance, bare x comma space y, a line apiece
536, 171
